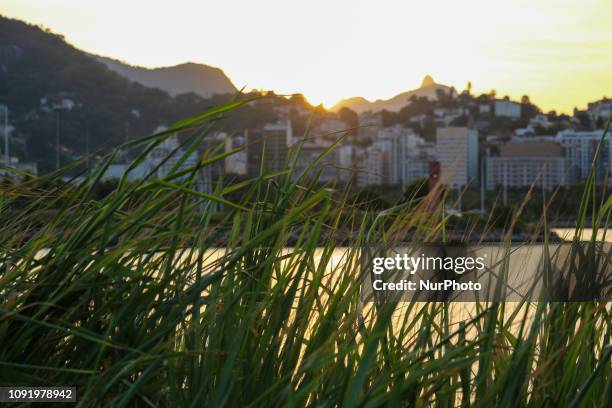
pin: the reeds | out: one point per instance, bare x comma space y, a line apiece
148, 297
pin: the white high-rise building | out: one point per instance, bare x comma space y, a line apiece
398, 156
374, 164
408, 156
344, 156
580, 148
457, 152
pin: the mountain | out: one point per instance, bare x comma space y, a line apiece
428, 89
200, 79
50, 85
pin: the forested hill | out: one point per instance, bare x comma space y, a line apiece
201, 79
42, 77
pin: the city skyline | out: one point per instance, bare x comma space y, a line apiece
340, 50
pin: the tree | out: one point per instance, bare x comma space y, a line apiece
417, 106
298, 99
528, 110
349, 116
462, 120
584, 120
388, 118
368, 198
445, 99
415, 190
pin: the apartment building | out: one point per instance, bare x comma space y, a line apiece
457, 152
580, 148
526, 164
267, 148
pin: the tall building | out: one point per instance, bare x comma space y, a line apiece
457, 152
409, 155
344, 159
374, 164
526, 164
404, 142
397, 156
580, 148
267, 149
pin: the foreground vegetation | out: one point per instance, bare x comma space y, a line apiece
130, 299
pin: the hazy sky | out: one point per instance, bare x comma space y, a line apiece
558, 52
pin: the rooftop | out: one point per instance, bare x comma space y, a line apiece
531, 149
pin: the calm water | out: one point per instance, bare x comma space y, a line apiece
568, 234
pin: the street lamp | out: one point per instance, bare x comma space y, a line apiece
7, 159
57, 141
7, 156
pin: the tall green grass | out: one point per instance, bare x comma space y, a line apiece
149, 297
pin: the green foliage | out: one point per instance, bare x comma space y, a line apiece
370, 198
418, 189
138, 298
561, 204
349, 117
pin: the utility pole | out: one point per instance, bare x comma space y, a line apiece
57, 141
482, 187
87, 149
7, 156
7, 159
505, 191
127, 139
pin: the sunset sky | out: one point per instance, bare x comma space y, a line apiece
558, 52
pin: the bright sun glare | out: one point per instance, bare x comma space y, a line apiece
334, 50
